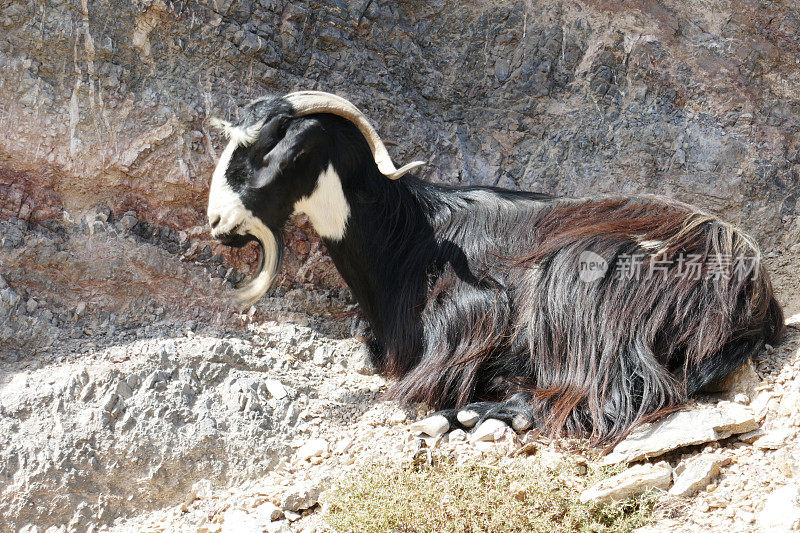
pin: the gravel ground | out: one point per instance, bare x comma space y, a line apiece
180, 412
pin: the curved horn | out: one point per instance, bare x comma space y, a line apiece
308, 102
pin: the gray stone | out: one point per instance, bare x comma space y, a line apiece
631, 482
684, 428
128, 221
751, 436
300, 496
695, 475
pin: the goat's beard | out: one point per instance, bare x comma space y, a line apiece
271, 245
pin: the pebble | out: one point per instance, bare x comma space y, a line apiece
239, 521
311, 449
457, 435
432, 426
343, 445
128, 221
276, 389
742, 398
301, 496
398, 417
521, 423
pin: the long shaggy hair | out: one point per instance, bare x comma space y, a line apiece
684, 300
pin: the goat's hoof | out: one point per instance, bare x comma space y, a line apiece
516, 411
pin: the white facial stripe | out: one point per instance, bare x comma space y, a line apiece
326, 207
224, 204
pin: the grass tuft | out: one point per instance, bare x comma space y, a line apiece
520, 496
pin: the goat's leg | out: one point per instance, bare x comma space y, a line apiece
516, 411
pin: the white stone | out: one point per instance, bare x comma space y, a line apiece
742, 398
520, 423
631, 482
397, 417
238, 521
433, 426
276, 389
695, 475
343, 445
268, 511
489, 430
312, 448
774, 439
781, 511
457, 435
684, 428
301, 496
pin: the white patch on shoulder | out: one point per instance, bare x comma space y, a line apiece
326, 207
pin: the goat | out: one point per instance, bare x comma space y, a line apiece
496, 303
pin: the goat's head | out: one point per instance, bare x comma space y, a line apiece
279, 160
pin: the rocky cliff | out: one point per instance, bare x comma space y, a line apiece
105, 103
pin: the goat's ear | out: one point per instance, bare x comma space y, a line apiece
293, 146
223, 125
273, 163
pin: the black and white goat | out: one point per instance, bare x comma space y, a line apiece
483, 299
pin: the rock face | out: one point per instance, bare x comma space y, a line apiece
684, 428
107, 102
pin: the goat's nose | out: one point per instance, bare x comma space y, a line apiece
215, 221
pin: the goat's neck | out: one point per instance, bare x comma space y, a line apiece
385, 250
